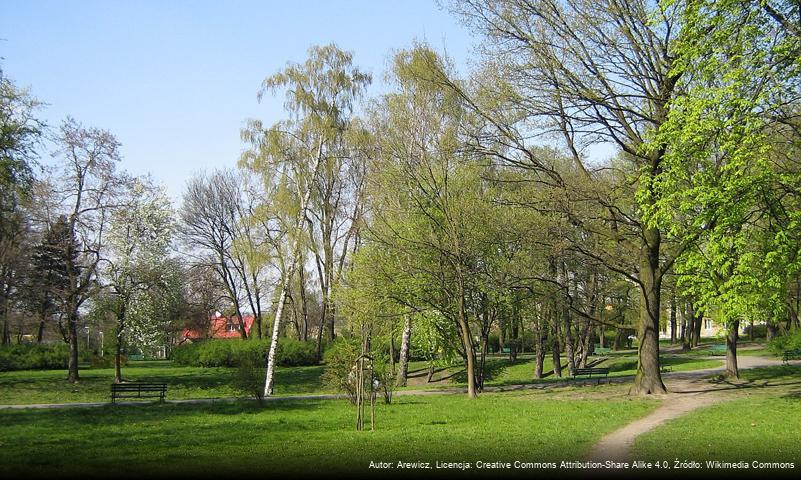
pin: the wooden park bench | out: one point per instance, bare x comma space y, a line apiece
589, 373
138, 390
788, 355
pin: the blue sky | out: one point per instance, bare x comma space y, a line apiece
176, 80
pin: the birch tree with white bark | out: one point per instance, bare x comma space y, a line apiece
320, 95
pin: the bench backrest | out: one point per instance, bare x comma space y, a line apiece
591, 371
137, 387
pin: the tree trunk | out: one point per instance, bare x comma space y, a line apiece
586, 343
620, 334
731, 350
501, 334
118, 361
569, 347
268, 382
403, 365
72, 332
697, 323
118, 352
484, 346
539, 352
685, 330
319, 339
772, 331
470, 353
602, 336
515, 334
555, 351
40, 332
648, 379
673, 317
6, 326
304, 308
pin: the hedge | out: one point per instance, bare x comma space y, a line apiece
34, 357
227, 353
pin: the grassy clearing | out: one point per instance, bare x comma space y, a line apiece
304, 437
763, 423
50, 386
502, 372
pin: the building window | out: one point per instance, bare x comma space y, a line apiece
707, 324
232, 327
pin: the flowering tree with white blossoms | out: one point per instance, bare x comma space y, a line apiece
137, 265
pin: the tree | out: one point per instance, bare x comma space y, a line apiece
87, 187
320, 94
140, 232
732, 164
587, 73
425, 201
48, 276
216, 230
20, 133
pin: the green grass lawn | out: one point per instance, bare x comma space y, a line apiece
306, 437
50, 386
763, 424
500, 371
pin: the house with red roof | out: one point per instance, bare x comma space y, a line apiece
219, 327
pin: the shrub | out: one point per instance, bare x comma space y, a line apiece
339, 373
249, 375
340, 370
34, 357
783, 343
228, 353
295, 353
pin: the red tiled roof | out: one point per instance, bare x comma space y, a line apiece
221, 327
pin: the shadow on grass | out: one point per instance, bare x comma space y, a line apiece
493, 368
124, 414
757, 378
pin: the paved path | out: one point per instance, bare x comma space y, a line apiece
687, 392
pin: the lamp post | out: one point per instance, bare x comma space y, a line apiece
102, 345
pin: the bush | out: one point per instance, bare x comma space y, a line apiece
229, 353
295, 353
339, 373
783, 343
340, 369
34, 357
249, 376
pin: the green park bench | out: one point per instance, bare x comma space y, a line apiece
590, 373
602, 351
138, 390
788, 355
506, 350
136, 357
719, 349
